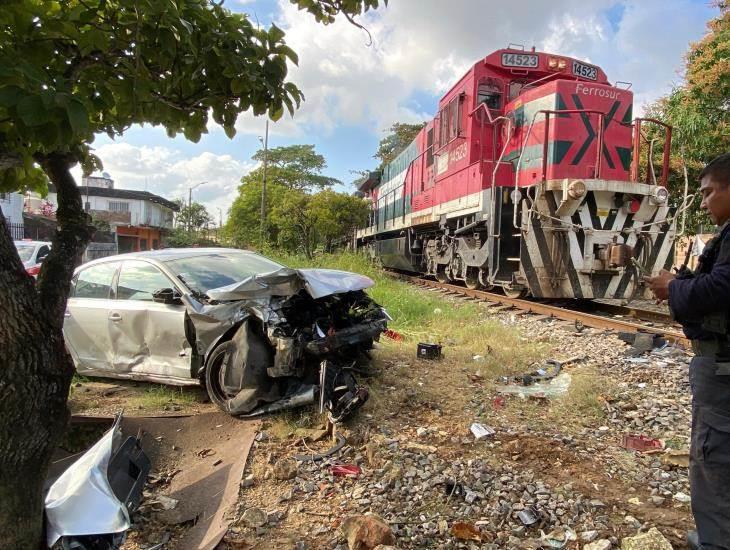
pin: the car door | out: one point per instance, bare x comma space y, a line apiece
148, 338
86, 323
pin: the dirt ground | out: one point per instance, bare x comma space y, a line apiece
416, 424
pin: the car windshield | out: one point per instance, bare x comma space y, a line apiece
201, 273
25, 251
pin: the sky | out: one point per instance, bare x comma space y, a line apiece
355, 89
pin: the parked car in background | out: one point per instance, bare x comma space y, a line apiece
32, 254
259, 335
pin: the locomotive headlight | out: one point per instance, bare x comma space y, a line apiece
659, 195
561, 64
576, 189
552, 63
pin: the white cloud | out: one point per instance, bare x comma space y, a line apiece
426, 45
168, 173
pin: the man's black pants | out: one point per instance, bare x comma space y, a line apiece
709, 470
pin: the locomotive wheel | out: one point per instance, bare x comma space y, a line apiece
472, 279
515, 292
482, 277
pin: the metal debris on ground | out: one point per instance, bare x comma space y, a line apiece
428, 351
641, 443
481, 431
93, 499
346, 470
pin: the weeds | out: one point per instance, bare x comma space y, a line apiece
157, 397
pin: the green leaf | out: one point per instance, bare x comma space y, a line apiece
78, 116
10, 96
32, 111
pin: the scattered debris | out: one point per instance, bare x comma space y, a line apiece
541, 390
641, 342
204, 453
641, 443
428, 351
601, 544
285, 468
346, 470
676, 457
682, 497
481, 431
651, 540
366, 532
393, 335
83, 505
558, 538
499, 402
529, 516
466, 531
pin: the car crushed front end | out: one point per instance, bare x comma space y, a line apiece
286, 339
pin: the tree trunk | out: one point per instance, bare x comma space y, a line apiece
35, 369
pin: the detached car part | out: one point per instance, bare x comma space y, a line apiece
89, 506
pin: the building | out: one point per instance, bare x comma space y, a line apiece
139, 219
11, 205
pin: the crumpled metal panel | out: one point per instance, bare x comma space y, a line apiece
286, 282
81, 501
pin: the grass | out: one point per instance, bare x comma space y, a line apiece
158, 396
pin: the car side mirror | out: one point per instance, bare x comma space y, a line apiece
41, 257
167, 296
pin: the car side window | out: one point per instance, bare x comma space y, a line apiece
138, 280
95, 281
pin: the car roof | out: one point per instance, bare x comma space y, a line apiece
32, 243
167, 255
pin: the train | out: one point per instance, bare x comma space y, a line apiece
533, 177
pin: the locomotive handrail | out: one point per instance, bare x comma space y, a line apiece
636, 159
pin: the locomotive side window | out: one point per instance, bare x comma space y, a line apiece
429, 147
490, 93
444, 126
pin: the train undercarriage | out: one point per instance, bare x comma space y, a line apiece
578, 239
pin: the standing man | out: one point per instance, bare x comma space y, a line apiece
701, 302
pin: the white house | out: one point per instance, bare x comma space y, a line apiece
11, 205
137, 217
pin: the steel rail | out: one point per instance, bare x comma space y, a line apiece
587, 319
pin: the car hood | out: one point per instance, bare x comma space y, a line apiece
287, 282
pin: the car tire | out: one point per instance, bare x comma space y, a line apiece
212, 380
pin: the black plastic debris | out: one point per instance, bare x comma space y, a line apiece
529, 516
429, 351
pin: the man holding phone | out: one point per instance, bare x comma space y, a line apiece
700, 301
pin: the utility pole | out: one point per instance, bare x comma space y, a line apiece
263, 186
190, 205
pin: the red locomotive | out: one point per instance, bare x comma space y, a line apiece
527, 179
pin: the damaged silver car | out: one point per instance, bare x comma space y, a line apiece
258, 335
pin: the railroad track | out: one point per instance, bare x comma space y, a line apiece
670, 333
